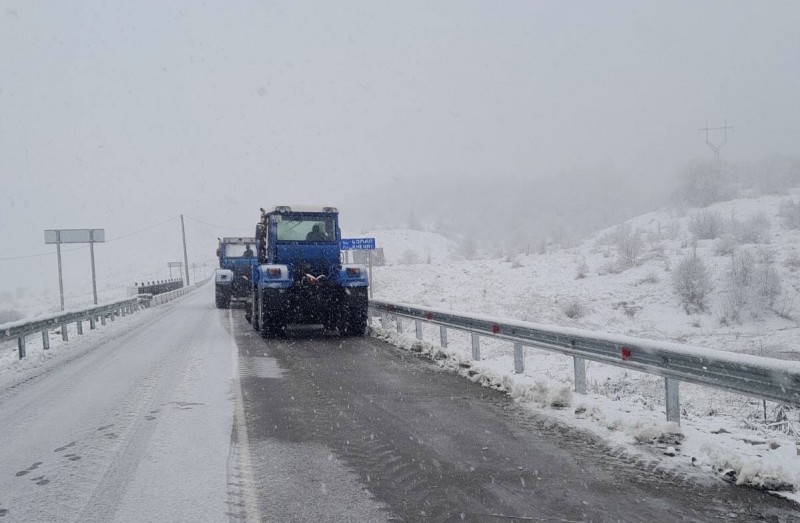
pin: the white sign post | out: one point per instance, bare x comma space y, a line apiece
59, 236
178, 264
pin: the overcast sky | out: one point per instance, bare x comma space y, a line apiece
124, 114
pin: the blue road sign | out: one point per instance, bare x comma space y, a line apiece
357, 244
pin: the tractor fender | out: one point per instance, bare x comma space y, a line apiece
223, 277
272, 276
353, 275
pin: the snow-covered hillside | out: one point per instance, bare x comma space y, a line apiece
591, 287
594, 286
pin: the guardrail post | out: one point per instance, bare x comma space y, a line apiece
580, 374
418, 328
476, 347
103, 319
21, 346
45, 339
79, 324
123, 310
519, 358
113, 314
384, 321
443, 336
92, 322
64, 332
673, 401
399, 323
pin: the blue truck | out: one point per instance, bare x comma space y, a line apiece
236, 256
300, 278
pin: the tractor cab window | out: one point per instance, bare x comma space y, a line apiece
233, 250
306, 229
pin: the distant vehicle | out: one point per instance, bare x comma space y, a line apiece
299, 278
232, 279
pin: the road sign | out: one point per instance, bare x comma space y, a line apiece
59, 236
175, 264
374, 257
357, 244
74, 236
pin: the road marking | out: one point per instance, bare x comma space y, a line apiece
248, 482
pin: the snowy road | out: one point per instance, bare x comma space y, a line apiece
194, 417
136, 429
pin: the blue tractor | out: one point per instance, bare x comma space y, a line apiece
300, 279
236, 256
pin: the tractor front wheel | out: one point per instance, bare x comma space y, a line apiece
353, 320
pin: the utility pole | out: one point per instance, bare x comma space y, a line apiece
60, 277
185, 257
94, 278
711, 145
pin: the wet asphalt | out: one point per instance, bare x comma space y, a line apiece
353, 429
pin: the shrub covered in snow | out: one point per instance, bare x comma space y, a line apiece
573, 308
582, 269
752, 230
692, 283
707, 224
790, 214
725, 245
629, 244
753, 285
792, 261
468, 248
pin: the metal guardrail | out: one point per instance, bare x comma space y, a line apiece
755, 376
99, 313
158, 287
158, 299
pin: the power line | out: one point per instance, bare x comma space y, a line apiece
25, 257
215, 226
142, 230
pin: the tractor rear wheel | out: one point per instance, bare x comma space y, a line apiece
272, 322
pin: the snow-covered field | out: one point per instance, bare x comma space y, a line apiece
586, 286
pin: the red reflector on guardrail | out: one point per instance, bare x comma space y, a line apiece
626, 353
429, 316
495, 328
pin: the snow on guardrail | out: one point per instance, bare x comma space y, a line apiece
759, 377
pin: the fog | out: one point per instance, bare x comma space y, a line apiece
124, 116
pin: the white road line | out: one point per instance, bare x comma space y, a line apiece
248, 481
